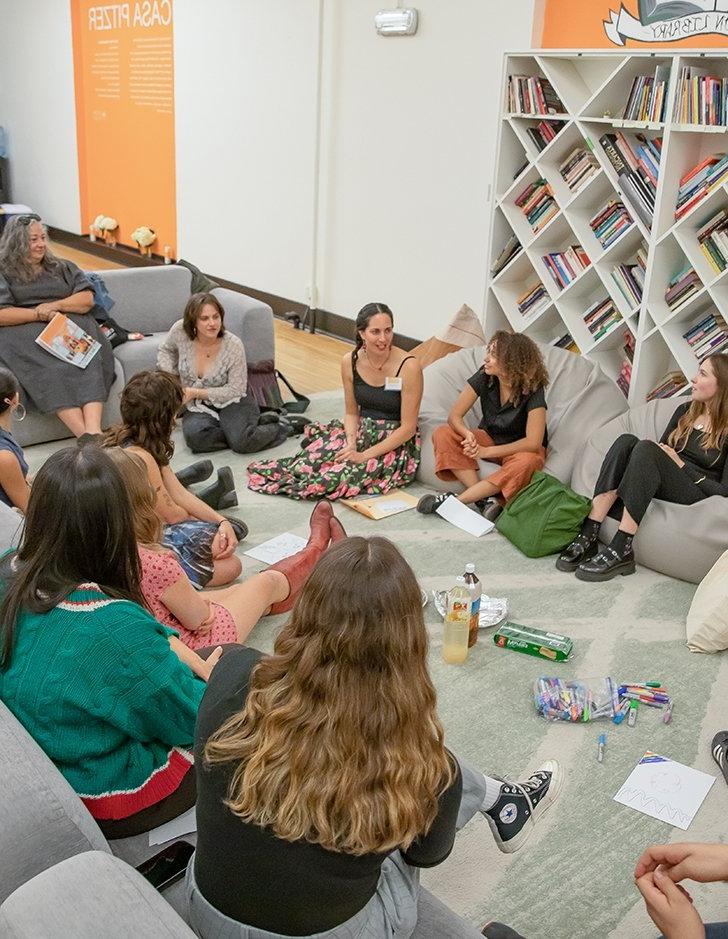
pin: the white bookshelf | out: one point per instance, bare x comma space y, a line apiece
594, 87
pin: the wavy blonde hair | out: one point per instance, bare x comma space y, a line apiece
716, 409
339, 743
147, 524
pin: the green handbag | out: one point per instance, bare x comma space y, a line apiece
544, 517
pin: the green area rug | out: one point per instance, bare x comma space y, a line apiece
574, 878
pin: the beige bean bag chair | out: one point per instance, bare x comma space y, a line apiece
683, 541
707, 624
579, 397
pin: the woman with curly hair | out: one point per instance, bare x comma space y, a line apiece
203, 539
323, 780
512, 432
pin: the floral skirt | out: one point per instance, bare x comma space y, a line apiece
315, 473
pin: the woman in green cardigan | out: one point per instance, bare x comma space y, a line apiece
90, 674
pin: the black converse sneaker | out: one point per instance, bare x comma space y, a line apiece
719, 748
430, 503
520, 805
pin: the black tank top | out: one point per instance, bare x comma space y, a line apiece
373, 400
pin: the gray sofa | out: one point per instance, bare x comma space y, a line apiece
150, 300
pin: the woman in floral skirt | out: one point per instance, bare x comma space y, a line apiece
377, 447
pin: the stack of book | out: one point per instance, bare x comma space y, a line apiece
533, 300
601, 317
700, 181
668, 385
625, 373
579, 166
708, 336
543, 133
630, 277
637, 166
700, 98
511, 248
538, 204
713, 241
648, 96
681, 286
566, 342
565, 266
528, 94
610, 223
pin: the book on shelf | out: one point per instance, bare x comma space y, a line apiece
713, 240
511, 249
700, 98
610, 222
537, 203
700, 181
668, 385
629, 345
708, 336
601, 317
681, 286
533, 300
566, 342
630, 277
68, 342
532, 94
565, 266
543, 133
578, 167
648, 96
637, 167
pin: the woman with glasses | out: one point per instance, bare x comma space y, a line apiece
14, 488
34, 286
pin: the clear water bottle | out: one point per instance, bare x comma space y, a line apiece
457, 624
476, 590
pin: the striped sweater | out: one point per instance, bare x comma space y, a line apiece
95, 683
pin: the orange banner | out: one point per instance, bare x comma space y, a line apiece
632, 24
123, 59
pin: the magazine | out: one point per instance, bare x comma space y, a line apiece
68, 342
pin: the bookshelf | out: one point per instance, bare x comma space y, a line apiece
652, 281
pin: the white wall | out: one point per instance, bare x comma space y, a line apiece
37, 107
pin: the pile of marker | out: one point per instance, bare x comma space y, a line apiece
600, 699
649, 693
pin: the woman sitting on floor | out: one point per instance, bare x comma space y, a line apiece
377, 447
303, 782
89, 673
14, 488
203, 540
690, 463
34, 286
210, 363
220, 616
512, 431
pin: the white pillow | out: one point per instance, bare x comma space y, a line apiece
707, 623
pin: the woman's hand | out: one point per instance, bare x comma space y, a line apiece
210, 662
349, 454
669, 906
45, 312
469, 445
705, 863
672, 454
224, 543
190, 394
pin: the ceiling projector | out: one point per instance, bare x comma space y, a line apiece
396, 22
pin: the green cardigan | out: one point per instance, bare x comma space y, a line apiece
95, 683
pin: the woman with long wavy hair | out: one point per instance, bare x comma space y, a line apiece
323, 780
689, 464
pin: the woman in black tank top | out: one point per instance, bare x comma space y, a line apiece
376, 447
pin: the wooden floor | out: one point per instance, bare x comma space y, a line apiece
310, 363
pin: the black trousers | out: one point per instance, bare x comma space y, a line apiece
641, 471
237, 429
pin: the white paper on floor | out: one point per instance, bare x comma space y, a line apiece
175, 828
275, 549
666, 790
459, 515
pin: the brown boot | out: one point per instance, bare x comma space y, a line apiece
336, 529
320, 534
296, 569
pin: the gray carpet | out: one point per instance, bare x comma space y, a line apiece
574, 878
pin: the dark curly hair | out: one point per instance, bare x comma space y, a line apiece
149, 405
521, 363
193, 310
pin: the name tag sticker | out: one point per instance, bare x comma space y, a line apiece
393, 384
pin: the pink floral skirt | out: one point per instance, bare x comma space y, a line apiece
315, 473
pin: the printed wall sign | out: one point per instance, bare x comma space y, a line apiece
573, 24
123, 60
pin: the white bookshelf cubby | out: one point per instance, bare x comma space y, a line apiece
593, 88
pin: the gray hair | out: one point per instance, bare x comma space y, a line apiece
15, 251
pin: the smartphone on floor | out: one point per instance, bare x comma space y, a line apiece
168, 866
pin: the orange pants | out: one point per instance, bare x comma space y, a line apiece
515, 472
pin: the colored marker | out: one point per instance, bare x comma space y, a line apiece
632, 719
645, 684
600, 747
667, 716
621, 713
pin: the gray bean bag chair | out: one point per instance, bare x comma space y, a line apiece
580, 398
683, 541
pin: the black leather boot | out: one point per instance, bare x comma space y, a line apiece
582, 548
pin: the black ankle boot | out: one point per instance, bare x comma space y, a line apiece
195, 472
225, 483
582, 548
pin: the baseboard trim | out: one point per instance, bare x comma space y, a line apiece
331, 324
